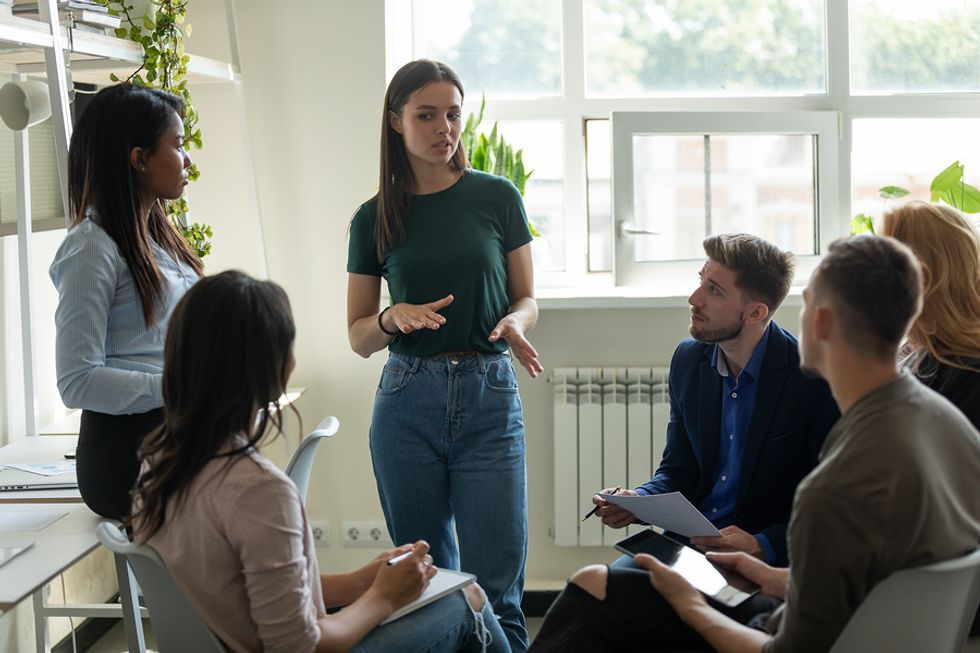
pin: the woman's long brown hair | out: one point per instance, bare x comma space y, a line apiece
227, 358
397, 182
117, 119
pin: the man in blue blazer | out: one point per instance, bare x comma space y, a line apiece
745, 424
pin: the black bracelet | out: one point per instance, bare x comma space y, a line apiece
381, 325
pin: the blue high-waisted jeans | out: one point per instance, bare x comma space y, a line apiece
447, 443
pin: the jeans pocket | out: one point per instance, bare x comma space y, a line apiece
500, 376
394, 377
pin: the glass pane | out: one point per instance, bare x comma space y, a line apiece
543, 195
598, 150
700, 47
668, 196
504, 48
909, 152
914, 46
759, 184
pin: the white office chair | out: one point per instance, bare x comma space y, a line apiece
177, 626
301, 464
927, 608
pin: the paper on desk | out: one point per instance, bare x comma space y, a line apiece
34, 520
669, 511
45, 469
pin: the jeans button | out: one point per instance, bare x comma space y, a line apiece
454, 361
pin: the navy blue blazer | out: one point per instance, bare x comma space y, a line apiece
790, 420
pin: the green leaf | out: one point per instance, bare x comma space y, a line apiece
862, 223
148, 23
499, 156
114, 77
121, 32
481, 155
946, 180
891, 192
534, 232
964, 197
494, 136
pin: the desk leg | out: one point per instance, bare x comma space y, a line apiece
40, 622
128, 596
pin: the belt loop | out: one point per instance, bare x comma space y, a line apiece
416, 360
482, 361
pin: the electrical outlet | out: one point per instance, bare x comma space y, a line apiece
365, 533
321, 532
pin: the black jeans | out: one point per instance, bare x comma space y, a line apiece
106, 458
633, 617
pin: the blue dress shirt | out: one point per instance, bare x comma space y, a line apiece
107, 359
737, 402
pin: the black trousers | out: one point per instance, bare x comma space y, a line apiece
633, 617
106, 458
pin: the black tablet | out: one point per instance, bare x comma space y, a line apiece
722, 585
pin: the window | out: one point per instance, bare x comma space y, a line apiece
637, 48
680, 177
755, 117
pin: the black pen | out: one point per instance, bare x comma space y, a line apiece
597, 506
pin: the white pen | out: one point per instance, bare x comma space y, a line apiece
399, 558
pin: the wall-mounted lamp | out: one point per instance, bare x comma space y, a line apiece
24, 104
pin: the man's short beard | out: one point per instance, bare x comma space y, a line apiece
723, 334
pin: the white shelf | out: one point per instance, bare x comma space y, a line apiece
93, 56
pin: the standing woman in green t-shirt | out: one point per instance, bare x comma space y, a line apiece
447, 431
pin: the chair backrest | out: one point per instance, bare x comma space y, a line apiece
176, 625
301, 464
926, 608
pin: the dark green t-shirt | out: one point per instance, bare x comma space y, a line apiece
456, 243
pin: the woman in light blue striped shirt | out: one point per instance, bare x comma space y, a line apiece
119, 273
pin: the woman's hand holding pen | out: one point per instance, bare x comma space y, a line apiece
512, 331
611, 514
401, 583
415, 317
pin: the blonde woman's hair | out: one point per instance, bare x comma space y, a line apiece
948, 247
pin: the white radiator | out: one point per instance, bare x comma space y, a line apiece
610, 429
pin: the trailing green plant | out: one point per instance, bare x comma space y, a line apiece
495, 155
948, 186
164, 66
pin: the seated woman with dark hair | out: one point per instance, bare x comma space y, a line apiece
229, 524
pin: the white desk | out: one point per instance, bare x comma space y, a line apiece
57, 547
39, 449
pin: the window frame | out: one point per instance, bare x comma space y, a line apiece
627, 124
573, 108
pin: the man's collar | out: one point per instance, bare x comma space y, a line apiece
753, 367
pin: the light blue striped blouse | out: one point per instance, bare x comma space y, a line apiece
107, 360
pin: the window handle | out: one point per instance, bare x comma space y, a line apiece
629, 229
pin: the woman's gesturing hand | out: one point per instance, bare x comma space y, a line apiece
414, 317
509, 328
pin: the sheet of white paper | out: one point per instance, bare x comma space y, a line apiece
35, 520
45, 469
669, 511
